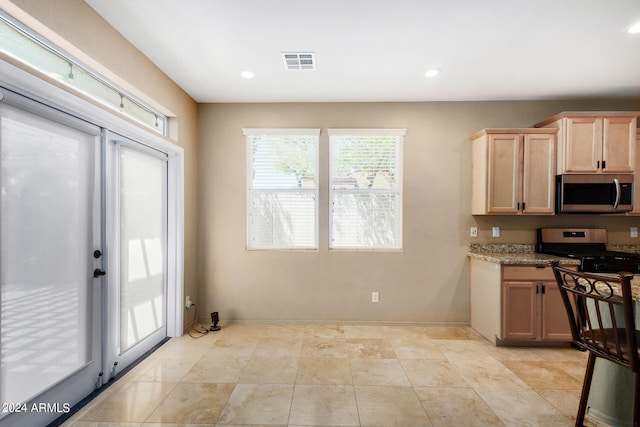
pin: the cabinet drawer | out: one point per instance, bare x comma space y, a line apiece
527, 272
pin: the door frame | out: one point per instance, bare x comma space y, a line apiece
113, 358
38, 88
42, 89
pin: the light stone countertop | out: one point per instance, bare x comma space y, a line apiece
514, 254
522, 254
617, 290
607, 288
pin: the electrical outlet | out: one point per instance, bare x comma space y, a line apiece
187, 302
633, 232
496, 231
474, 231
375, 297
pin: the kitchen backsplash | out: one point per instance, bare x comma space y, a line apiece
522, 230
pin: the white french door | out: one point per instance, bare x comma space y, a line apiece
137, 220
90, 255
50, 251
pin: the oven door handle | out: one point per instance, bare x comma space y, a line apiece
617, 185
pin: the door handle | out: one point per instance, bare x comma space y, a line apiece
97, 272
616, 184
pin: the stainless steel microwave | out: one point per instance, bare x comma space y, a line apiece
594, 193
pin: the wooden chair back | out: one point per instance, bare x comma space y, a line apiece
601, 315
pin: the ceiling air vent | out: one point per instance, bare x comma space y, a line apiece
299, 60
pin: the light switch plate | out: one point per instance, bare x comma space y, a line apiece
496, 231
633, 232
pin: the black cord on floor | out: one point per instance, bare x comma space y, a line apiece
200, 332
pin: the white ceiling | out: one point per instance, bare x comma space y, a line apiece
379, 50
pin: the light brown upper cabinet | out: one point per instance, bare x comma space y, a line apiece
595, 141
513, 172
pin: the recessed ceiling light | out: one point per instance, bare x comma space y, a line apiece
635, 28
433, 72
247, 74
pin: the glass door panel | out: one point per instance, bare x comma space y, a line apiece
143, 227
138, 290
49, 299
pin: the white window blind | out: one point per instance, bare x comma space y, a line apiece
282, 188
366, 188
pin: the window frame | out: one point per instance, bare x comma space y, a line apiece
40, 55
251, 133
399, 133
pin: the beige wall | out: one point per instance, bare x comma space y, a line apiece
76, 28
429, 280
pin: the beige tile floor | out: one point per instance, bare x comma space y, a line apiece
329, 375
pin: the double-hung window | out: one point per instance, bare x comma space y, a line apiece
366, 189
282, 188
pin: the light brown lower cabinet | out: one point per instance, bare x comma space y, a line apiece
514, 304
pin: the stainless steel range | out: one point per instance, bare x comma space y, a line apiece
589, 246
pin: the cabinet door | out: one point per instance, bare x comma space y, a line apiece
583, 145
618, 145
520, 311
538, 179
504, 173
636, 179
555, 323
